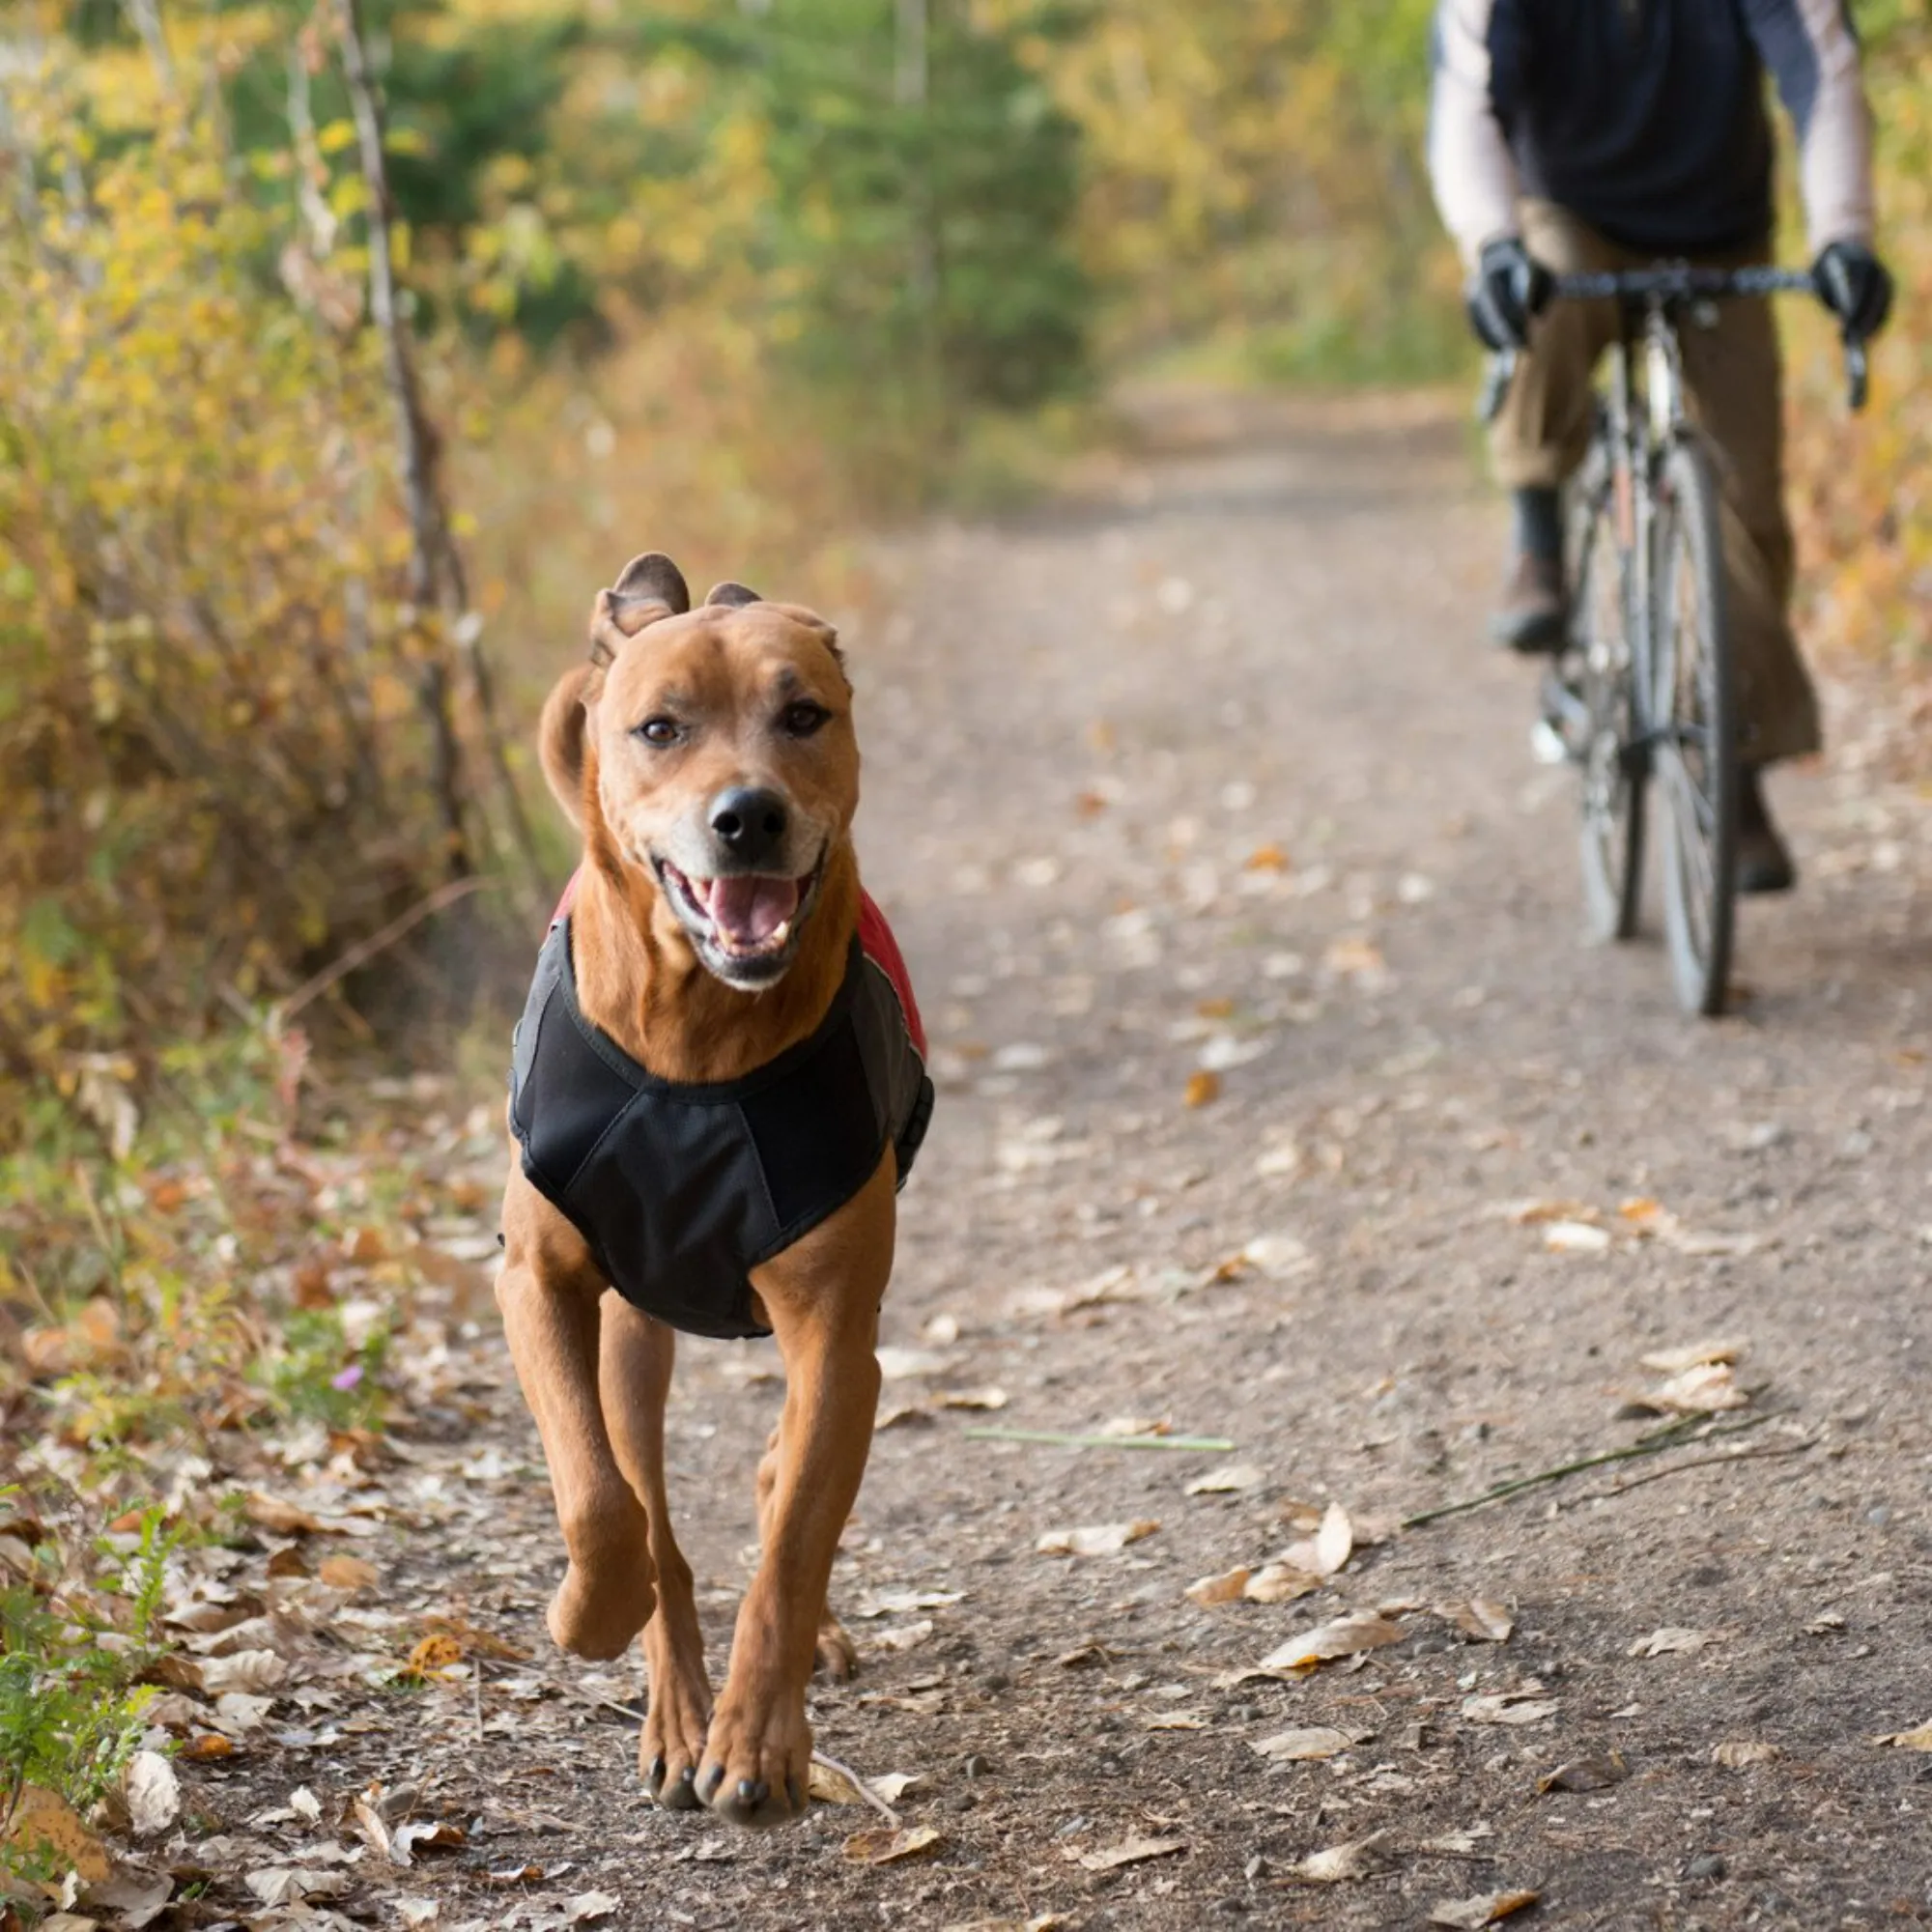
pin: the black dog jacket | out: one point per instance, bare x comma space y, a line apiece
682, 1188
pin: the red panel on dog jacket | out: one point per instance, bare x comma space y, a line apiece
681, 1188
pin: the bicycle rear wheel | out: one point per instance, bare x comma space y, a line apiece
1603, 734
1693, 714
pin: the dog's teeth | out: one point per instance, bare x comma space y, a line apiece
781, 932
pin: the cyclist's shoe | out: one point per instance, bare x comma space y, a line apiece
1531, 613
1764, 861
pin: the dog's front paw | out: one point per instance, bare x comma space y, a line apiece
673, 1743
610, 1590
757, 1762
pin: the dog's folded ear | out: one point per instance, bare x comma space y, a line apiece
649, 587
733, 596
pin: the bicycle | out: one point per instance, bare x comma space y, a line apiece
1642, 688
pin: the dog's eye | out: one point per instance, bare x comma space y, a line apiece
660, 732
802, 719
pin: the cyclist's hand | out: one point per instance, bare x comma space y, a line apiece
1509, 287
1853, 284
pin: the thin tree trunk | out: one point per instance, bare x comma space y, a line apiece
436, 576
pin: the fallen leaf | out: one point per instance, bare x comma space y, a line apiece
893, 1785
1695, 1356
251, 1671
1128, 1852
1202, 1088
1532, 1213
832, 1788
372, 1825
1585, 1774
209, 1744
1226, 1588
902, 1603
1319, 1741
279, 1517
1742, 1755
1481, 1618
436, 1834
1341, 1863
1280, 1583
1355, 954
348, 1573
1268, 858
1918, 1739
587, 1907
975, 1399
1509, 1707
152, 1793
884, 1846
1673, 1640
1705, 1389
288, 1885
1343, 1637
906, 1364
45, 1826
305, 1805
133, 1899
1100, 1539
1227, 1479
433, 1653
903, 1637
1576, 1238
1487, 1907
1176, 1720
1281, 1256
1458, 1844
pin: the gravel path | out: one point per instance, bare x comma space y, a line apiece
1198, 788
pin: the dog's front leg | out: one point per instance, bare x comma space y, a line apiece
822, 1298
549, 1293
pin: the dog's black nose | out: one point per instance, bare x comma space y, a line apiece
748, 823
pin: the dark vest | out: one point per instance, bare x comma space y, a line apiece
682, 1188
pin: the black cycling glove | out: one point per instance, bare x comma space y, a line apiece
1509, 287
1853, 284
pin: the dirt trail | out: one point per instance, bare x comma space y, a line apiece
1209, 768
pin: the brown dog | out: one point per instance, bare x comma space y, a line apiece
716, 1090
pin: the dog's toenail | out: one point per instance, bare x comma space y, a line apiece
794, 1792
709, 1781
753, 1792
655, 1777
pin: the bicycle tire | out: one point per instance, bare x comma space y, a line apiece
1611, 775
1693, 709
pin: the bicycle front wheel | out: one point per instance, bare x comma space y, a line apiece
1693, 723
1602, 737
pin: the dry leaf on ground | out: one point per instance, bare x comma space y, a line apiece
1202, 1086
131, 1900
1694, 1355
1129, 1852
251, 1671
152, 1793
1674, 1639
1576, 1238
1509, 1707
1227, 1479
1280, 1583
1708, 1388
1482, 1618
1487, 1907
286, 1884
971, 1398
348, 1573
1317, 1740
588, 1907
1343, 1637
47, 1824
1099, 1539
279, 1517
1225, 1588
1918, 1739
1740, 1755
1341, 1863
1586, 1773
884, 1846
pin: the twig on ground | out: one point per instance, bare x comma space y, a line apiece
1654, 1445
859, 1786
1702, 1463
1203, 1444
477, 1696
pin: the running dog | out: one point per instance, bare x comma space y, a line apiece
718, 1086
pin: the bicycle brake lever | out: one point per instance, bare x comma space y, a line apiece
1856, 376
1496, 380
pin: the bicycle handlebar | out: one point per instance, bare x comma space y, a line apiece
1668, 284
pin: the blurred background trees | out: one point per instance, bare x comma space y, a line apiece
728, 276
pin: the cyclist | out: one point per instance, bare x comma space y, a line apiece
1586, 135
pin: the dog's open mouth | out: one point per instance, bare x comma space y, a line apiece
747, 921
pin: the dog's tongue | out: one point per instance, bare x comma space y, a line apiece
748, 908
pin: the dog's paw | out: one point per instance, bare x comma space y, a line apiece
836, 1656
609, 1589
673, 1744
757, 1763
